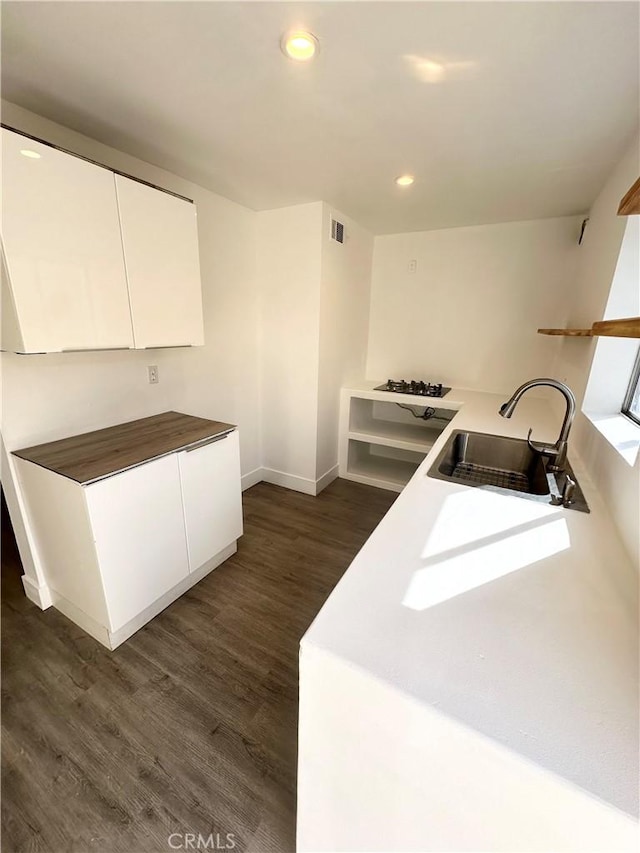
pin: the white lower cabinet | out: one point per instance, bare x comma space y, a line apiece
138, 529
117, 551
210, 480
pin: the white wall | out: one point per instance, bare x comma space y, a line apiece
344, 326
314, 325
289, 270
617, 480
51, 396
468, 316
613, 358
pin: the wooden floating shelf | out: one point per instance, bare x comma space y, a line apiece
630, 204
628, 327
573, 333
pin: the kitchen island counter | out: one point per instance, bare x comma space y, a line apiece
101, 453
472, 681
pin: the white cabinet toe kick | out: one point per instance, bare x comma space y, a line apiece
113, 639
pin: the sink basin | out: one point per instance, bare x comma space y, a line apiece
477, 459
503, 464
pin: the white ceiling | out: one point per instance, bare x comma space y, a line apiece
530, 106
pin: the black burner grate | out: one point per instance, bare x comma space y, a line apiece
483, 476
418, 389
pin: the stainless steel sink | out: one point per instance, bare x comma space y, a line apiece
502, 464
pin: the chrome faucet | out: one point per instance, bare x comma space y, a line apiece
557, 452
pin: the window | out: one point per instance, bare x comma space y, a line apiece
631, 405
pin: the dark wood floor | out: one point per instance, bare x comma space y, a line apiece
190, 726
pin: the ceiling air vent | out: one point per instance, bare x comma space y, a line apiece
337, 231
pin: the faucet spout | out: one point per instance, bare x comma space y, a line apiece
557, 453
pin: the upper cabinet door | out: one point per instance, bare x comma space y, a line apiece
160, 238
63, 250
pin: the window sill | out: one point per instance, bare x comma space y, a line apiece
621, 433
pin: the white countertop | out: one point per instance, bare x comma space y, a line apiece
514, 618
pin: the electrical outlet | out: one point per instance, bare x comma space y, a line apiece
154, 377
412, 266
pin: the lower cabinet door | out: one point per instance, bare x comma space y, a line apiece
138, 527
212, 497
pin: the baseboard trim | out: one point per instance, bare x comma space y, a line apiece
139, 621
80, 618
252, 478
327, 478
289, 481
294, 482
40, 595
112, 639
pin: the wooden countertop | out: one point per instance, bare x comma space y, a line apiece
95, 455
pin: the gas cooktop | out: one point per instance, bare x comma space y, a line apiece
419, 389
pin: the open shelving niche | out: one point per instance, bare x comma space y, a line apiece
383, 444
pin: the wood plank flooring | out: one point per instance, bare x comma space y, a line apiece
190, 726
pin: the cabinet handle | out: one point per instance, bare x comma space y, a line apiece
208, 441
93, 349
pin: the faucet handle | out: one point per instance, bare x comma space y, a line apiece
536, 446
550, 450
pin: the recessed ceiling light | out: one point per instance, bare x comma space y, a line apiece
27, 152
405, 180
299, 45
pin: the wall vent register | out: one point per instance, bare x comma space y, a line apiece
337, 231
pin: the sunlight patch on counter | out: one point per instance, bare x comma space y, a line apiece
475, 514
505, 544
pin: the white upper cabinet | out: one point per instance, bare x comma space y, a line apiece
160, 239
67, 287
